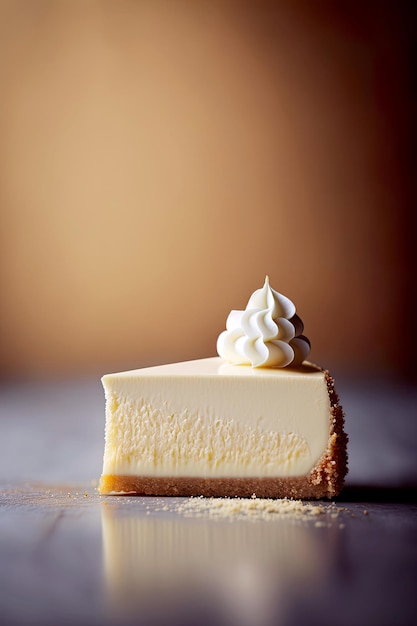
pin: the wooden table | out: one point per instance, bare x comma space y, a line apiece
69, 556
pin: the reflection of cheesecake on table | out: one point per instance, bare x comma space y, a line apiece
258, 419
162, 561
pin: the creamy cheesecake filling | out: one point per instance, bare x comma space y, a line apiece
148, 441
207, 419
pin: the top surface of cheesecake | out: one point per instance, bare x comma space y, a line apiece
216, 366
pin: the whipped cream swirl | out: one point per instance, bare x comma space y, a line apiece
268, 333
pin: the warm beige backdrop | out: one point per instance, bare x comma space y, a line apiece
158, 158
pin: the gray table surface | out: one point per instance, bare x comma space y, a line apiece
69, 556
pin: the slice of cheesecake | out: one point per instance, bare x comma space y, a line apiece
259, 419
210, 428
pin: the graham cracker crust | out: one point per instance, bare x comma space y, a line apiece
325, 480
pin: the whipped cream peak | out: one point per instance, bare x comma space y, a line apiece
268, 298
268, 333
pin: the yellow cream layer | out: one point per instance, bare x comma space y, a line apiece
206, 418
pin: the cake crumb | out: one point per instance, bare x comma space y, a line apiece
256, 508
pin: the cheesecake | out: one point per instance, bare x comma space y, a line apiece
259, 418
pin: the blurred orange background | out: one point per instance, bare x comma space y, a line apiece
158, 158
